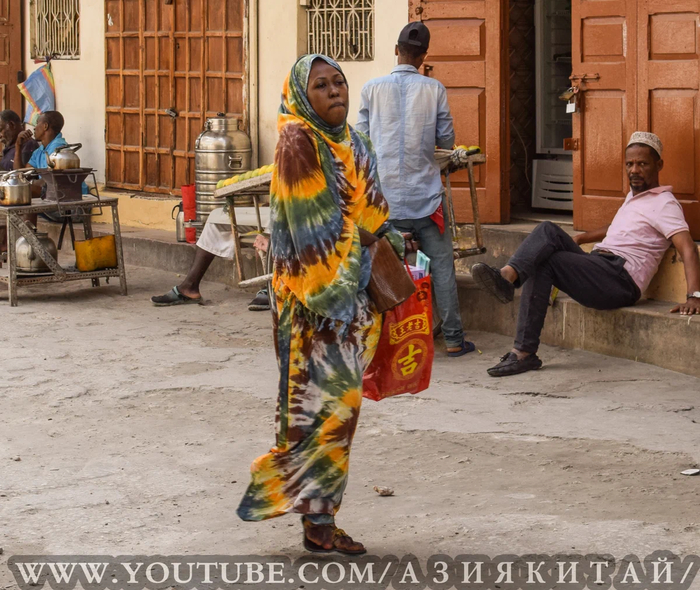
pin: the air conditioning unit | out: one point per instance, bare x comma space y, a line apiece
553, 184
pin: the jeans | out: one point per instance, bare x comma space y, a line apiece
438, 247
549, 256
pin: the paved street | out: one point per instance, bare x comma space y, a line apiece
130, 429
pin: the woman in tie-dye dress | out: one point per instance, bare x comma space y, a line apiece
326, 203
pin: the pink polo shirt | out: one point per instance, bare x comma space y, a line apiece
641, 232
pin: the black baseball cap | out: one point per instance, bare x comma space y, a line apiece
415, 34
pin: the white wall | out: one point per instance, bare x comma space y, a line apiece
80, 85
282, 40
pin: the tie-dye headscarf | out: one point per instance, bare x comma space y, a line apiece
324, 187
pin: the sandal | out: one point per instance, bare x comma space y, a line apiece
338, 536
174, 297
465, 348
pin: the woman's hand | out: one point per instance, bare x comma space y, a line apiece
261, 243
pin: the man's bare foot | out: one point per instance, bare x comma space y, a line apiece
189, 292
509, 274
520, 354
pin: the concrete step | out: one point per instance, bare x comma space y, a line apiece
646, 333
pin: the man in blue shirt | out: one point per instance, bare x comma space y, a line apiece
48, 133
406, 115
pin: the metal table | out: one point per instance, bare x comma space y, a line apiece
57, 274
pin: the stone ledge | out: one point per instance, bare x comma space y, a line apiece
646, 332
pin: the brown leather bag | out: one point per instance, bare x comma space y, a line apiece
390, 283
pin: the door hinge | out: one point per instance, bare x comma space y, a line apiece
571, 144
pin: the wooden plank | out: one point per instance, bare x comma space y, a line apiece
259, 182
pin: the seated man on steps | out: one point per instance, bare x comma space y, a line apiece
216, 240
613, 275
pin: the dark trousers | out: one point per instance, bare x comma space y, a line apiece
549, 256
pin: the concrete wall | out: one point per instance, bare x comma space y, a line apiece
80, 85
282, 38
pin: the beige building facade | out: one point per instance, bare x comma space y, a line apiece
276, 35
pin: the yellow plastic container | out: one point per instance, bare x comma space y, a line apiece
95, 253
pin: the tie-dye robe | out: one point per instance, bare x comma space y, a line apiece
325, 186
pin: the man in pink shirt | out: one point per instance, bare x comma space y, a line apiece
614, 275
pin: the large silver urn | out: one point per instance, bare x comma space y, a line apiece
221, 151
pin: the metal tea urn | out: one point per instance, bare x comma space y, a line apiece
221, 151
64, 157
27, 259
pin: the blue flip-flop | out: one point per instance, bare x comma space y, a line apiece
466, 348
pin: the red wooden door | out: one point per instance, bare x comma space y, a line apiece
467, 54
10, 54
169, 67
604, 63
668, 103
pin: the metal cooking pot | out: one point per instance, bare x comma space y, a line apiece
64, 157
27, 259
15, 189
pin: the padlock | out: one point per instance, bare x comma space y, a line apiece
572, 105
567, 95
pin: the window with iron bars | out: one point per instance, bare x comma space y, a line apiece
55, 29
341, 29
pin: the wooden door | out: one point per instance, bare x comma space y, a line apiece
604, 64
10, 54
668, 99
169, 67
467, 54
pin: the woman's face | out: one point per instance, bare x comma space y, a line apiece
328, 93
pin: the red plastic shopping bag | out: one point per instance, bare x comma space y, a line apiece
404, 358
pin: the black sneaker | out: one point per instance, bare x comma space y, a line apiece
510, 365
261, 302
490, 279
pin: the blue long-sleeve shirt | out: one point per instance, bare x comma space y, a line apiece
406, 115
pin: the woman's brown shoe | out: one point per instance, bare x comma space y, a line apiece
326, 538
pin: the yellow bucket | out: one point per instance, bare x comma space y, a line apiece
95, 253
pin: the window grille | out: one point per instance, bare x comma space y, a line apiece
55, 28
341, 29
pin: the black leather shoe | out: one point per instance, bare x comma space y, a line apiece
510, 365
490, 279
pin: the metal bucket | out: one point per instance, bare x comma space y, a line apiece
221, 151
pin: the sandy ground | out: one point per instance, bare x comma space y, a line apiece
130, 429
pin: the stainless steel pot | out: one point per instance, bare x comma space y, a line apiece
15, 189
64, 157
27, 259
